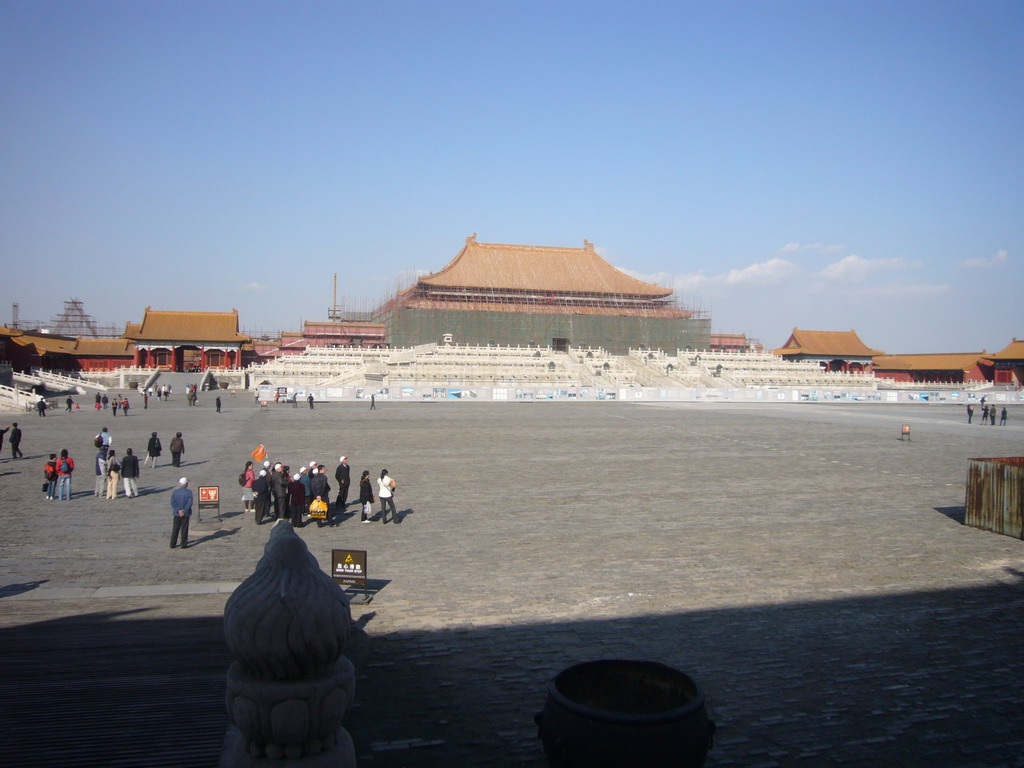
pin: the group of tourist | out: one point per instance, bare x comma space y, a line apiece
109, 468
988, 414
275, 492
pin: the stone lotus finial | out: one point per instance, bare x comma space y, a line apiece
288, 619
289, 688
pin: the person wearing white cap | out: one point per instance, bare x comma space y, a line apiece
181, 509
279, 491
341, 474
261, 494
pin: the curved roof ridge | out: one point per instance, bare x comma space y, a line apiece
555, 269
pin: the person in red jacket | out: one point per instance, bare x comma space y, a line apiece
65, 466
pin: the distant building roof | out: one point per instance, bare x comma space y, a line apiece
495, 266
161, 325
42, 343
951, 361
103, 347
1012, 351
826, 344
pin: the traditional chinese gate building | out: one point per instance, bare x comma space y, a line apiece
1009, 363
185, 341
832, 350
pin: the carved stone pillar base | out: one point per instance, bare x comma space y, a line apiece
234, 754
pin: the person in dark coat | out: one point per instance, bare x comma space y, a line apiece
130, 473
296, 500
366, 496
261, 494
177, 448
15, 440
153, 449
342, 475
279, 491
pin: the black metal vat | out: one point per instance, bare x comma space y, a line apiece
624, 713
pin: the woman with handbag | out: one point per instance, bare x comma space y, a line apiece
366, 495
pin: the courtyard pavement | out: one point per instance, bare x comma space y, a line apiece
806, 566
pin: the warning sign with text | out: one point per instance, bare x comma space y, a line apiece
348, 566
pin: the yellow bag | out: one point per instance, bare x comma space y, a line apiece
318, 509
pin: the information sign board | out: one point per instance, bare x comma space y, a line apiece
348, 566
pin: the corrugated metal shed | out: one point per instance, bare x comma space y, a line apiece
995, 495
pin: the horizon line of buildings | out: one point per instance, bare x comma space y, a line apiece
489, 294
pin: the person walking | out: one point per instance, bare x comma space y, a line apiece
65, 466
114, 405
130, 473
386, 491
309, 399
217, 403
70, 405
104, 439
50, 473
992, 415
41, 406
106, 402
366, 496
177, 448
3, 432
100, 465
99, 401
296, 500
124, 406
247, 477
373, 402
153, 449
15, 440
342, 475
181, 510
261, 495
984, 412
1002, 417
113, 474
145, 400
970, 413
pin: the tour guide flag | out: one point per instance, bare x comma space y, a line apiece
260, 454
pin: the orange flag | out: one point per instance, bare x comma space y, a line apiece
260, 454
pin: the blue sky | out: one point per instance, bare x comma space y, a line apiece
820, 165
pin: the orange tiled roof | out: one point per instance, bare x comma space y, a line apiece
43, 343
104, 347
948, 361
495, 266
831, 343
1013, 351
160, 325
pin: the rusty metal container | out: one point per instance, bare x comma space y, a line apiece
995, 495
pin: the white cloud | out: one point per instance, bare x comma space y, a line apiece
254, 287
997, 260
855, 269
815, 247
905, 290
770, 272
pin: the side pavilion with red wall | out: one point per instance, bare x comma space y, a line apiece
1009, 363
832, 350
182, 341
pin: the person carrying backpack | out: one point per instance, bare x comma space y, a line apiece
50, 473
65, 466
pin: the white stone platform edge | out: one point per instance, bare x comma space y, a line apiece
146, 590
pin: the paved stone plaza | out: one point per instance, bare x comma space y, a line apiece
806, 566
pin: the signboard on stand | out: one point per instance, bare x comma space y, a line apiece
209, 501
348, 567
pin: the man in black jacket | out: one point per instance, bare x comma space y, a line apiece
130, 473
341, 474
